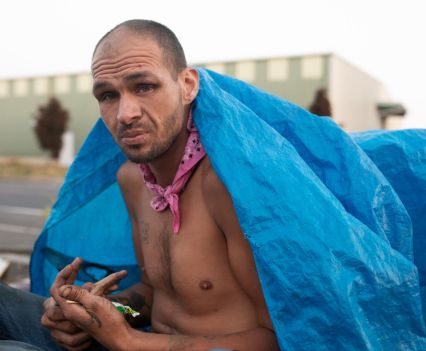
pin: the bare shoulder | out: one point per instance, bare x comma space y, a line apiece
212, 186
131, 184
129, 175
218, 201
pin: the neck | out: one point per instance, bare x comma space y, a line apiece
165, 167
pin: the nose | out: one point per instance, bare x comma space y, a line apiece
128, 109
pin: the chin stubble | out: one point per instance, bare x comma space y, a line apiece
157, 149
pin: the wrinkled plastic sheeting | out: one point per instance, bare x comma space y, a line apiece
331, 239
326, 228
88, 220
334, 158
401, 157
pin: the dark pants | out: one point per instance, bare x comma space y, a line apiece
20, 327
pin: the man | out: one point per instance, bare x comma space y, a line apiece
200, 288
331, 238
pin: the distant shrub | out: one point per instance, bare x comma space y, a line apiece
321, 105
51, 123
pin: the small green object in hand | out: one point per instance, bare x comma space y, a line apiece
125, 309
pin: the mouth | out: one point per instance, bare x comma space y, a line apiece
133, 137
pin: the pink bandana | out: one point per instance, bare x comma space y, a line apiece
169, 196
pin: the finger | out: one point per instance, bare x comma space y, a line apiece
76, 265
81, 347
83, 313
63, 326
53, 317
48, 304
88, 286
55, 314
74, 341
112, 288
102, 286
90, 312
85, 346
67, 274
53, 311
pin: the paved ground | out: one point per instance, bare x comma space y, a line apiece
23, 205
22, 212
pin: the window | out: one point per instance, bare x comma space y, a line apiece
84, 83
62, 85
277, 70
246, 71
41, 86
312, 67
4, 89
20, 87
217, 67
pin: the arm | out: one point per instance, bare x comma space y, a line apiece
139, 296
98, 317
241, 260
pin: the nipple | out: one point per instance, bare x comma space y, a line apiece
205, 285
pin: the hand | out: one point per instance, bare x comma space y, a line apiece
94, 314
106, 285
64, 332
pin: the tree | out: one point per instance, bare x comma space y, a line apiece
51, 123
321, 105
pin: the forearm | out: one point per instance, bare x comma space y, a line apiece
138, 297
251, 340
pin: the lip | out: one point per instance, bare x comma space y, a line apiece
134, 138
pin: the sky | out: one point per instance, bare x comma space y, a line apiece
386, 39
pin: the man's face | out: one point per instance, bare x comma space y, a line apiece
142, 101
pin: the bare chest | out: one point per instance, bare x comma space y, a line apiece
191, 264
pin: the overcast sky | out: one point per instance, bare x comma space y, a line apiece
384, 38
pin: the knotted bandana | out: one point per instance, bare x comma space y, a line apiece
169, 196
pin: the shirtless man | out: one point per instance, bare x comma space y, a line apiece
199, 286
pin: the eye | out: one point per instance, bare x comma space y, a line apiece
145, 88
107, 96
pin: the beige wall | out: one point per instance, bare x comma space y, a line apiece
354, 96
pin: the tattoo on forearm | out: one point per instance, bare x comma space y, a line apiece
95, 318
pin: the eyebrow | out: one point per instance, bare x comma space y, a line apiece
99, 86
137, 75
129, 78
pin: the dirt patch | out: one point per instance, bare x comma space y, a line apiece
32, 168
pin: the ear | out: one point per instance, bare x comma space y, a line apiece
190, 83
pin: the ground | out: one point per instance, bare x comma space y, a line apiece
28, 188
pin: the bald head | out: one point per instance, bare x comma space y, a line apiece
174, 56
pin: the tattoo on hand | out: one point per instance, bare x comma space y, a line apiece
95, 318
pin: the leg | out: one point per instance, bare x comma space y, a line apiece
7, 345
20, 327
20, 314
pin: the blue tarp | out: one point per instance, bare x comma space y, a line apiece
331, 236
401, 157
